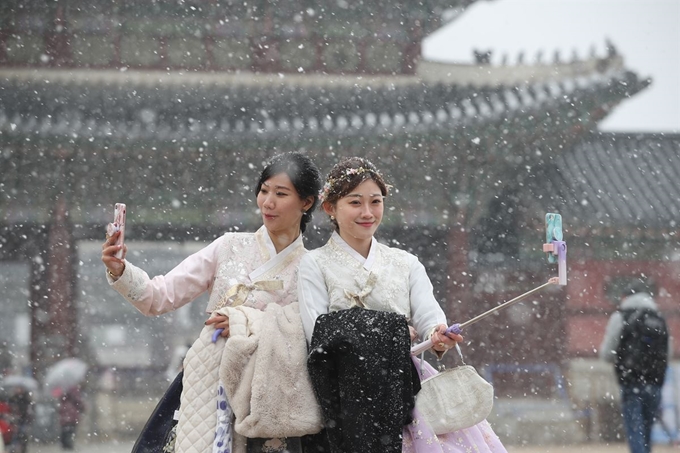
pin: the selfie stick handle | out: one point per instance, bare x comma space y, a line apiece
458, 328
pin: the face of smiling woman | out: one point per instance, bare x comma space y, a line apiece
281, 206
358, 215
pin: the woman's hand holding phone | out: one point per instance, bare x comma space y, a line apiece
114, 249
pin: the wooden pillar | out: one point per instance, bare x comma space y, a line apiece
460, 282
412, 50
57, 44
459, 286
54, 323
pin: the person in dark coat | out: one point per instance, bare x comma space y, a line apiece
21, 406
640, 376
71, 406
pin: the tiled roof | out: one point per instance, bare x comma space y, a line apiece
219, 112
188, 135
619, 180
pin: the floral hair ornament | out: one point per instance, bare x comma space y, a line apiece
331, 183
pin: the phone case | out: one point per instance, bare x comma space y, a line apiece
553, 231
119, 215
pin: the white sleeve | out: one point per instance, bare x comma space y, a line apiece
312, 294
612, 337
426, 313
164, 293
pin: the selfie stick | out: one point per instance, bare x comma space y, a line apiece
458, 328
555, 247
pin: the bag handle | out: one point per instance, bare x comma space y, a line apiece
440, 366
460, 353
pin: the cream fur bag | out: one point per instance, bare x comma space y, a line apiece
454, 399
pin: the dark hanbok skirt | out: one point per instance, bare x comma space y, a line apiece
159, 428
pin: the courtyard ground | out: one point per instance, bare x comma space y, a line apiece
126, 446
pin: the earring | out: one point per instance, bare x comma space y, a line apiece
332, 217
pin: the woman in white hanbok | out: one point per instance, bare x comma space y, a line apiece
248, 269
353, 269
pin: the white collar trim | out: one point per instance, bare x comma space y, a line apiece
274, 258
367, 262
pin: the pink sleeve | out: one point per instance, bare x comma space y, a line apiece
164, 293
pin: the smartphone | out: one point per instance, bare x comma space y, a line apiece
119, 214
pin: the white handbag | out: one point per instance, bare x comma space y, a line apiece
454, 399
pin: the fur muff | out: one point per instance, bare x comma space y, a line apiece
264, 372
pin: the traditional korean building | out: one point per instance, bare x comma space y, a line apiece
174, 107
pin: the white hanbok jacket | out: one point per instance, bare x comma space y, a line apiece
335, 277
236, 269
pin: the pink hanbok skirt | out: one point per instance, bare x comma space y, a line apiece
419, 437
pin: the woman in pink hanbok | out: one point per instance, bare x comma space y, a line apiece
353, 269
247, 270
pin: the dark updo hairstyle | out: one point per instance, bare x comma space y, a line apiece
304, 175
346, 175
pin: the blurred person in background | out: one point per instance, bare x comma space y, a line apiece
21, 407
5, 423
71, 407
636, 341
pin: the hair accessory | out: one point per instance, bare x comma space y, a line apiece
347, 174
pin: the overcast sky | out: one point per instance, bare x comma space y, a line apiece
645, 32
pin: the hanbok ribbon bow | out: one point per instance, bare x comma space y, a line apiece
357, 299
240, 291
